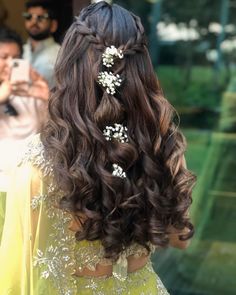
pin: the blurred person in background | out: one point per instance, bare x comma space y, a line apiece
41, 49
22, 107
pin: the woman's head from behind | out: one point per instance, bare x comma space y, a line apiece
139, 207
80, 61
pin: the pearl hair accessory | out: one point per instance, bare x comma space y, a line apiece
110, 54
118, 132
109, 81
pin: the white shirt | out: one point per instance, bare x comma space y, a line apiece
43, 58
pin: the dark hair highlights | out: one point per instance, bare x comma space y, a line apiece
157, 190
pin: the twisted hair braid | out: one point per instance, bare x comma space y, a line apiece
156, 193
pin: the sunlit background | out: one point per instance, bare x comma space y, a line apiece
193, 48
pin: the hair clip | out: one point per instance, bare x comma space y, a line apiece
110, 54
109, 81
118, 132
118, 171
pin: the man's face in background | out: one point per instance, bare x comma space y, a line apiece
38, 24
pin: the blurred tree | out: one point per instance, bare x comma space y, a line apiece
183, 11
154, 42
141, 8
199, 15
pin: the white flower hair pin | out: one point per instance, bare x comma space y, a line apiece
109, 81
118, 171
110, 54
117, 132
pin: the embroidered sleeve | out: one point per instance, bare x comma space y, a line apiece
34, 153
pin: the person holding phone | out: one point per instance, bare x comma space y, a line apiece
23, 105
41, 49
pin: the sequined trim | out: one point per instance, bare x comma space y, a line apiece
34, 153
57, 262
90, 254
144, 281
37, 201
64, 255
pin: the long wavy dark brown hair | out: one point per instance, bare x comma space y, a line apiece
156, 193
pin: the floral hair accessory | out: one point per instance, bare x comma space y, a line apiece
110, 54
118, 132
118, 171
109, 81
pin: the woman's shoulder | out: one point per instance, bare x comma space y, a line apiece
33, 153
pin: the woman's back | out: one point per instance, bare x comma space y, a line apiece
106, 182
58, 264
115, 150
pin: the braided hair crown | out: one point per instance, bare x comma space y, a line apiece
131, 42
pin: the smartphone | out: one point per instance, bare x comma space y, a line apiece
20, 70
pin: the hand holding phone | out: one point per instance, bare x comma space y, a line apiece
20, 70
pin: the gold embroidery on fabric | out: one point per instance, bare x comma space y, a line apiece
35, 154
63, 256
92, 253
140, 278
56, 262
37, 200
